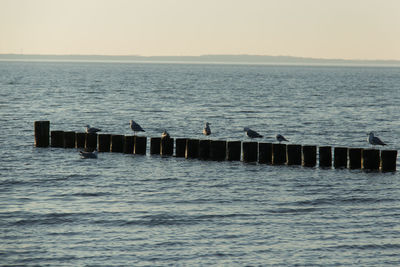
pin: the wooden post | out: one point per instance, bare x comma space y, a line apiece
103, 142
42, 133
140, 143
265, 153
233, 150
278, 154
325, 156
309, 156
388, 160
69, 139
80, 140
371, 159
90, 141
355, 155
155, 143
128, 144
204, 149
117, 143
218, 150
192, 148
57, 138
340, 159
293, 154
250, 151
180, 147
167, 146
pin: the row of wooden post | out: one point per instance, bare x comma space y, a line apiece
264, 153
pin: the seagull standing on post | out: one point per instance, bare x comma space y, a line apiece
92, 129
135, 127
281, 138
252, 134
373, 140
207, 130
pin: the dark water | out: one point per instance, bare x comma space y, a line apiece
126, 210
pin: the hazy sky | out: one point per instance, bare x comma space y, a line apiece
350, 29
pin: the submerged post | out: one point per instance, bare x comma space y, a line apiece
371, 159
180, 147
117, 143
80, 140
103, 142
167, 146
278, 154
204, 149
340, 160
388, 160
309, 156
218, 150
57, 138
265, 153
192, 148
233, 150
293, 154
90, 141
325, 156
69, 139
140, 145
42, 133
250, 151
355, 155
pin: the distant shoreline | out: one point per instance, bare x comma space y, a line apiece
204, 59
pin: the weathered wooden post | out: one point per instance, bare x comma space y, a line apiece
117, 143
90, 141
140, 145
265, 153
325, 156
278, 154
340, 159
103, 142
355, 155
293, 154
233, 150
69, 139
42, 133
80, 140
250, 151
388, 160
192, 148
371, 159
155, 143
204, 149
218, 150
128, 144
167, 146
180, 147
309, 156
57, 138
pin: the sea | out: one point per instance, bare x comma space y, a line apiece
57, 209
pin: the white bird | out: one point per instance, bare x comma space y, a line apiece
165, 135
135, 127
206, 129
373, 140
92, 129
252, 134
88, 155
281, 138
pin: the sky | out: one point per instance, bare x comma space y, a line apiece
345, 29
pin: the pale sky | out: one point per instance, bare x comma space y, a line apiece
348, 29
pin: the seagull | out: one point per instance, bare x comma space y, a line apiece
165, 135
92, 129
135, 127
373, 140
281, 138
207, 130
88, 155
252, 134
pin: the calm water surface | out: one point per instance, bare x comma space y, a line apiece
128, 210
